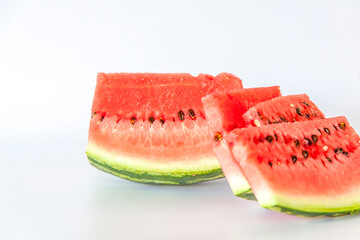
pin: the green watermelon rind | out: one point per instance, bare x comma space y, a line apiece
314, 213
157, 178
240, 187
313, 207
248, 195
171, 176
309, 206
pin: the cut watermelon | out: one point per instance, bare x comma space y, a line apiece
308, 168
224, 112
293, 108
151, 128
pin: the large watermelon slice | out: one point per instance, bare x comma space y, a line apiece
224, 112
308, 168
151, 128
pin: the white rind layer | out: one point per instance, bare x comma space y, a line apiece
126, 161
231, 168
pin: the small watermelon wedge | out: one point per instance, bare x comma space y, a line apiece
254, 111
309, 168
292, 108
224, 112
151, 127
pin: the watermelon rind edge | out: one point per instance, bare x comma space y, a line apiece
157, 178
311, 206
249, 195
173, 175
240, 187
319, 213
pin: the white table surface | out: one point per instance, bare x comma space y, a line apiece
50, 53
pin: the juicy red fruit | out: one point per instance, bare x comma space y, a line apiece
299, 173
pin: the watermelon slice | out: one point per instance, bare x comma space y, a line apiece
292, 108
308, 168
224, 112
151, 128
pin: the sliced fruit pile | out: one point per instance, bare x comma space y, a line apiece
177, 128
284, 153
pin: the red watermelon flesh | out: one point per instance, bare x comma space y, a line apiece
308, 168
156, 94
292, 108
150, 127
224, 112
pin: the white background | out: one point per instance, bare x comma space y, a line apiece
50, 53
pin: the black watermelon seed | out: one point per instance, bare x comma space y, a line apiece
133, 120
260, 116
192, 114
297, 143
327, 130
319, 130
338, 150
151, 119
269, 139
93, 114
162, 121
307, 116
298, 111
102, 118
342, 125
329, 159
276, 122
308, 141
293, 159
270, 164
335, 127
314, 138
305, 154
283, 119
181, 115
346, 153
218, 137
276, 137
305, 103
